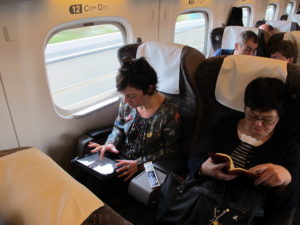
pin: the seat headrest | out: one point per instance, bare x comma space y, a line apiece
209, 110
128, 50
231, 34
165, 59
294, 36
280, 25
34, 190
284, 17
236, 74
295, 18
216, 36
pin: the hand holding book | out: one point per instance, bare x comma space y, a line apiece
230, 169
209, 168
271, 175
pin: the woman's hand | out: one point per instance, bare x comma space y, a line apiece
209, 168
102, 148
271, 175
127, 168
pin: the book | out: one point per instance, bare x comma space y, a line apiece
230, 169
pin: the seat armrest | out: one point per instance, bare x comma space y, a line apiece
139, 186
98, 135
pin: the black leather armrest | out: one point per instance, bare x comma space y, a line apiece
97, 135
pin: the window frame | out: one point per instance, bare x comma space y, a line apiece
291, 10
274, 12
109, 97
249, 17
206, 19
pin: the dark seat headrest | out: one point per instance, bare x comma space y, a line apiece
208, 108
216, 37
128, 50
294, 26
284, 17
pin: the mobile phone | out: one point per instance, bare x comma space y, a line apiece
151, 174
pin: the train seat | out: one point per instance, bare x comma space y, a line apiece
186, 61
295, 18
293, 36
231, 34
235, 75
216, 37
207, 75
206, 79
284, 17
211, 108
283, 25
226, 37
279, 25
35, 190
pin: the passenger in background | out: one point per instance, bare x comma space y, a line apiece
259, 22
268, 28
246, 44
284, 50
148, 123
254, 143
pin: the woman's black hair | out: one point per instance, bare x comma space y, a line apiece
264, 94
137, 73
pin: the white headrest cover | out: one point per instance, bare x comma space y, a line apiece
295, 18
231, 34
165, 59
294, 36
280, 25
238, 71
34, 190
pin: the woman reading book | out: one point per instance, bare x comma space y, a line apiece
256, 145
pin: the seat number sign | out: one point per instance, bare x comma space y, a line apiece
82, 8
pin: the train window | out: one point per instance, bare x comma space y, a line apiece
190, 29
81, 66
246, 16
289, 8
270, 12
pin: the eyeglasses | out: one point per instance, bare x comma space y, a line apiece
265, 122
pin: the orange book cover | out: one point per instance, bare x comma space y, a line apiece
231, 169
